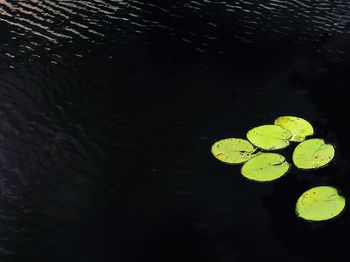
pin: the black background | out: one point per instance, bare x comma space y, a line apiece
105, 138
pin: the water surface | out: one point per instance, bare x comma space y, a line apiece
109, 108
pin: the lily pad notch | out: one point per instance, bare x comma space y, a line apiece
233, 150
269, 137
320, 203
299, 127
265, 167
313, 154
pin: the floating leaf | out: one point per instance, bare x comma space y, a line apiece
313, 153
299, 127
269, 137
320, 203
233, 150
265, 167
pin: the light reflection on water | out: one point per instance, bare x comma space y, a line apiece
42, 24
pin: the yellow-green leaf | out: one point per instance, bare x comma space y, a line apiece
265, 167
320, 203
233, 150
269, 137
299, 127
313, 153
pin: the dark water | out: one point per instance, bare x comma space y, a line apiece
108, 110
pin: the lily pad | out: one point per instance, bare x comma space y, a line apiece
299, 127
265, 167
233, 150
313, 153
320, 203
269, 137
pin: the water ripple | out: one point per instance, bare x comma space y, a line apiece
58, 21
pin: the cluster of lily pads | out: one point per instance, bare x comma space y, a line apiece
260, 165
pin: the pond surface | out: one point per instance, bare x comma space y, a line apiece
108, 110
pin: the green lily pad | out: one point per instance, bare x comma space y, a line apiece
299, 127
233, 150
269, 137
265, 167
320, 203
313, 153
